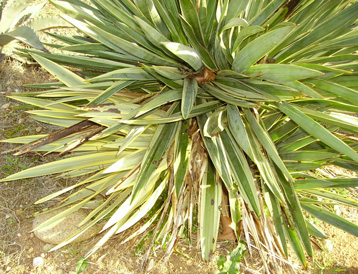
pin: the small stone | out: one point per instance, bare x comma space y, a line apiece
64, 227
5, 106
38, 129
38, 261
51, 268
150, 265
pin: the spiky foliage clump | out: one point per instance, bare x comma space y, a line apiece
187, 100
19, 19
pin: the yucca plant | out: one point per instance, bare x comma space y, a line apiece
19, 19
198, 102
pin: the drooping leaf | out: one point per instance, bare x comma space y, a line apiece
66, 76
258, 48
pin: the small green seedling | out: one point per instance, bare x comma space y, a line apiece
12, 166
231, 263
81, 265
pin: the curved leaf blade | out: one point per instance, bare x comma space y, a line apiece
258, 48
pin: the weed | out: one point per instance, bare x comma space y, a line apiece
231, 263
12, 166
81, 265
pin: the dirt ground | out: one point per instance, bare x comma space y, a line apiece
19, 247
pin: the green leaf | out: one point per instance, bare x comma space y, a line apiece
245, 33
190, 89
181, 156
237, 129
152, 33
190, 14
303, 88
158, 147
332, 196
234, 22
317, 130
331, 218
277, 216
350, 95
77, 162
222, 95
117, 86
124, 74
216, 123
185, 53
197, 110
241, 172
81, 265
211, 193
119, 44
267, 12
66, 76
281, 73
205, 54
326, 183
314, 231
342, 19
24, 34
297, 247
267, 143
217, 153
299, 222
170, 72
258, 48
159, 100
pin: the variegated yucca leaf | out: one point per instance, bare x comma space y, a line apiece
196, 101
19, 20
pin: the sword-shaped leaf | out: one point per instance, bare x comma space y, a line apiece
162, 99
190, 89
216, 123
331, 218
326, 183
267, 143
217, 153
281, 73
72, 163
158, 147
133, 74
66, 76
109, 92
241, 172
258, 48
316, 130
211, 193
185, 53
181, 156
350, 95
